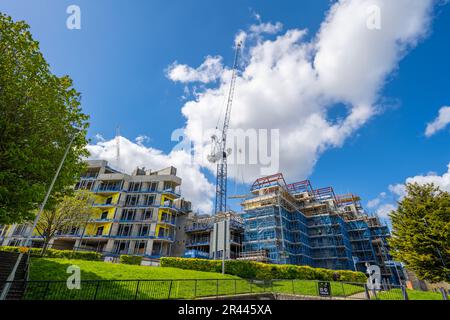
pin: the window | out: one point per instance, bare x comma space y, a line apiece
128, 215
124, 230
144, 231
134, 187
168, 186
147, 215
154, 186
99, 231
149, 200
104, 215
131, 200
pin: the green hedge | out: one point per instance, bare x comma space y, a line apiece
127, 259
53, 253
264, 271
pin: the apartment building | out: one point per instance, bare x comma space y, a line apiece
135, 213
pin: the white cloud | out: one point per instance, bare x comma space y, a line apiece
293, 85
443, 181
398, 191
195, 186
99, 137
141, 139
442, 120
373, 203
210, 70
268, 28
384, 210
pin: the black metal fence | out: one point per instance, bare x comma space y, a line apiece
200, 288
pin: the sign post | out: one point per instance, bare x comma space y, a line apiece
324, 288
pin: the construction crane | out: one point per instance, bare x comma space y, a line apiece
219, 153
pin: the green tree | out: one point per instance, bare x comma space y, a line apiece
421, 232
72, 211
38, 114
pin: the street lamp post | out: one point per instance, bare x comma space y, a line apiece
41, 209
224, 244
6, 288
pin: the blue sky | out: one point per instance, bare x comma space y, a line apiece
120, 57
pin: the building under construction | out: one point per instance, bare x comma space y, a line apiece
207, 236
297, 224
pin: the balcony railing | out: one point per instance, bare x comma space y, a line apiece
108, 189
198, 243
102, 220
104, 205
167, 191
142, 236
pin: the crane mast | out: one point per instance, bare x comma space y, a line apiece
221, 155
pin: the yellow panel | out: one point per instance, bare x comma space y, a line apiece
170, 196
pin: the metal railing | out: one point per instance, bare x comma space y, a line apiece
202, 288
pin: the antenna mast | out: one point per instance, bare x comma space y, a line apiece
118, 147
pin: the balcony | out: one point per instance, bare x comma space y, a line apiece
104, 205
89, 177
107, 190
167, 221
95, 236
66, 235
106, 220
171, 192
199, 227
142, 236
149, 190
168, 205
197, 243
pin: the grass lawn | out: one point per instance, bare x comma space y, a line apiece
186, 283
55, 269
309, 288
170, 283
396, 294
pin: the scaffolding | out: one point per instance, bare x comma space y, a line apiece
297, 224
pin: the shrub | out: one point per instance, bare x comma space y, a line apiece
127, 259
264, 271
53, 253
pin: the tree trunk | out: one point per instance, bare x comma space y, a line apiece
45, 246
